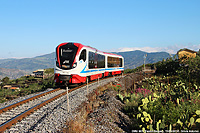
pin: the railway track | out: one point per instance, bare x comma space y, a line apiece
13, 113
31, 109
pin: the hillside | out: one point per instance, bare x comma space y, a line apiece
13, 67
29, 64
12, 73
136, 58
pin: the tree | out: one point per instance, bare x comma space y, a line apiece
49, 71
198, 53
5, 80
30, 78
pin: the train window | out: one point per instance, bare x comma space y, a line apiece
114, 62
120, 62
101, 61
96, 60
83, 55
66, 55
91, 60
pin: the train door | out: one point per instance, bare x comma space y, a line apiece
82, 61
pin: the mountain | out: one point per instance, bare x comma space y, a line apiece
134, 59
28, 65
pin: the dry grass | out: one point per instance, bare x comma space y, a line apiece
78, 126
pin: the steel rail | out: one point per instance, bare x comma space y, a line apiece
25, 101
19, 117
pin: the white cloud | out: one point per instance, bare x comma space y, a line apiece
146, 49
170, 49
15, 58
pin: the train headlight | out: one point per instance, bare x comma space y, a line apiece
74, 65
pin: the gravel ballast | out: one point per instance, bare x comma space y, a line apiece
53, 116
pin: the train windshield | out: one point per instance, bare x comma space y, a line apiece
67, 54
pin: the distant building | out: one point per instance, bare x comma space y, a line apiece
14, 88
38, 73
11, 87
7, 86
186, 53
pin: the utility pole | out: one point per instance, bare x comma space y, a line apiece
145, 56
170, 56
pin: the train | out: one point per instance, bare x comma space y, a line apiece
76, 63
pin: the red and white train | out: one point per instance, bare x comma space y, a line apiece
76, 62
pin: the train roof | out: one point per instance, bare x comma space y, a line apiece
81, 45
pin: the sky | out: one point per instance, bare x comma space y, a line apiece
30, 28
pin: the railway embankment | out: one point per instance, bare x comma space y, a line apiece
103, 111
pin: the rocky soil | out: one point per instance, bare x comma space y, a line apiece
108, 116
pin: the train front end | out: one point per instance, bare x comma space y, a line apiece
66, 62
